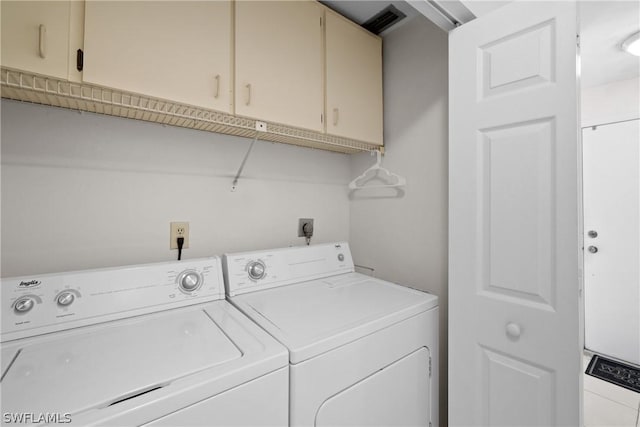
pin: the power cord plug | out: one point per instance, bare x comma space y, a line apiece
307, 230
180, 242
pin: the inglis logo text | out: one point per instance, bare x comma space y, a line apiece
29, 284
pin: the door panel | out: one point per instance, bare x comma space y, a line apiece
279, 62
175, 50
612, 210
518, 261
500, 372
500, 74
514, 319
38, 32
354, 80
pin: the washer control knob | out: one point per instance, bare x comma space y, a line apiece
23, 305
257, 270
65, 298
341, 257
189, 280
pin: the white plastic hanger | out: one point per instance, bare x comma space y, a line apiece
377, 171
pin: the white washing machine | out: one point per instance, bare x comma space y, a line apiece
362, 351
152, 344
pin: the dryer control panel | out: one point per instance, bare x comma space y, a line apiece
38, 304
254, 271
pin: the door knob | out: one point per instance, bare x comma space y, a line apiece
592, 233
592, 249
513, 330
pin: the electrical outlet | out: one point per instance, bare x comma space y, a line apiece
305, 227
178, 229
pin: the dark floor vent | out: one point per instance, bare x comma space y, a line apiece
384, 19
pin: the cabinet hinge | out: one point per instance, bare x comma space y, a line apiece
321, 118
321, 21
429, 366
578, 40
79, 59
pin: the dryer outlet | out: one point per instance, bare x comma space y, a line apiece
305, 227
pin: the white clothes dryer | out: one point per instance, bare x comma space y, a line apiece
362, 351
152, 344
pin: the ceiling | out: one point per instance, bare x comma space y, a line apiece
604, 24
603, 27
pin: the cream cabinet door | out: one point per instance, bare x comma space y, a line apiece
354, 80
279, 62
35, 36
175, 50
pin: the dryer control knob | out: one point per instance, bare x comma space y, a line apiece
23, 305
65, 298
189, 280
257, 270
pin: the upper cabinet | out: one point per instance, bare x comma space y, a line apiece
279, 62
354, 80
176, 50
41, 36
313, 75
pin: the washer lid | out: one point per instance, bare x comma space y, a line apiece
316, 316
98, 366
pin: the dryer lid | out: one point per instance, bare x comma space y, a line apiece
96, 367
316, 316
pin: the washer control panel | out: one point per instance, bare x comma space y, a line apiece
252, 271
45, 303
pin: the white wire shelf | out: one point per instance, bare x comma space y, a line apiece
34, 88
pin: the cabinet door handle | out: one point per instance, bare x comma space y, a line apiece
217, 86
248, 94
336, 115
42, 39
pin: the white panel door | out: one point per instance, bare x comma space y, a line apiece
514, 287
612, 215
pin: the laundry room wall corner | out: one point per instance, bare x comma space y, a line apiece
405, 238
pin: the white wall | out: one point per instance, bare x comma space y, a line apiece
405, 239
80, 190
612, 102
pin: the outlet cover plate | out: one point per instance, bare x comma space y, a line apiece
178, 229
